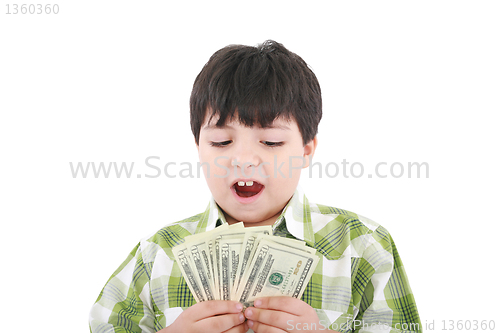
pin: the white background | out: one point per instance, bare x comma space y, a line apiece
109, 81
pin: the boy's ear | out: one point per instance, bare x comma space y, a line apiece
309, 150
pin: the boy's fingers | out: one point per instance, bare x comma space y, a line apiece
222, 323
207, 309
241, 328
291, 305
263, 328
274, 318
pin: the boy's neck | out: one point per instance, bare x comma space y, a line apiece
270, 221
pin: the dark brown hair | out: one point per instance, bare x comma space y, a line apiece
256, 85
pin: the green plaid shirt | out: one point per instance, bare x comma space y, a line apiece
359, 284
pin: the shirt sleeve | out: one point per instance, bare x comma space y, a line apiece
124, 304
387, 302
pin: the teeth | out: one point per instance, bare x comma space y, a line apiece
250, 183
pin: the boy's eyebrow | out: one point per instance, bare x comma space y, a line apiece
213, 126
281, 127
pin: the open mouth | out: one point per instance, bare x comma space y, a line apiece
247, 189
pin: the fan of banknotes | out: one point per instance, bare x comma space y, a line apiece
232, 262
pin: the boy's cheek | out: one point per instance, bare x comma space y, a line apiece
297, 162
215, 167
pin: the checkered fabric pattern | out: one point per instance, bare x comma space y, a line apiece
359, 285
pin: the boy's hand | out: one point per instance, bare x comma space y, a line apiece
282, 314
210, 317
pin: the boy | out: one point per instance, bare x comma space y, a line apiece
254, 115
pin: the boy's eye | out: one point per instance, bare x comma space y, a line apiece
272, 143
220, 144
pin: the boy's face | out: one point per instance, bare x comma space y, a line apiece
253, 172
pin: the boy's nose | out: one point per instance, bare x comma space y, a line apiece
245, 158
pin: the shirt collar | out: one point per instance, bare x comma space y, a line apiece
211, 218
296, 215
